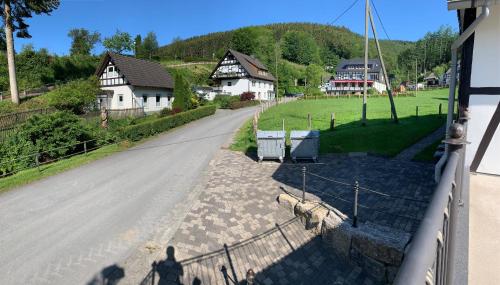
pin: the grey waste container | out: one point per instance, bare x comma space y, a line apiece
271, 145
305, 145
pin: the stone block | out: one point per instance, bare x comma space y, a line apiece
391, 272
384, 244
337, 234
369, 265
304, 212
288, 202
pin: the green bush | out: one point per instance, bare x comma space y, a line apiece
139, 131
6, 106
75, 96
16, 153
242, 104
224, 101
182, 94
55, 134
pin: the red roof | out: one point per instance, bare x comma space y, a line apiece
351, 81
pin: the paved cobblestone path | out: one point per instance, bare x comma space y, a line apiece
237, 208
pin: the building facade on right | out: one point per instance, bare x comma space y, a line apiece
349, 77
479, 84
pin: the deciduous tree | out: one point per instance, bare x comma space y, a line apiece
83, 41
119, 42
14, 13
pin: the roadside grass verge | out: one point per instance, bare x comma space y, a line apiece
380, 136
33, 174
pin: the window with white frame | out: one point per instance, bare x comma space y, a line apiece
158, 100
253, 83
229, 83
120, 100
145, 100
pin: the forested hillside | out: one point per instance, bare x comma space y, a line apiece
329, 44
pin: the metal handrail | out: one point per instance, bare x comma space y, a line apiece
421, 264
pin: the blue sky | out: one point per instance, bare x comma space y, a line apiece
403, 19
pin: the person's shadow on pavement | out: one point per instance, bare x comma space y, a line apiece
110, 275
169, 270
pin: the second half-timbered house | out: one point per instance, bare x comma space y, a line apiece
238, 73
129, 82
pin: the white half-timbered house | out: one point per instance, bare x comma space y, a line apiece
479, 84
129, 83
238, 73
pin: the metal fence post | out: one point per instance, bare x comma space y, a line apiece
250, 277
440, 109
355, 206
37, 161
416, 111
85, 147
309, 121
304, 184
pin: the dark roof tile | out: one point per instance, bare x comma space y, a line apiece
139, 72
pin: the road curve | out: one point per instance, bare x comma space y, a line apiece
64, 229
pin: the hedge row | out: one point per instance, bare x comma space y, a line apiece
242, 104
143, 130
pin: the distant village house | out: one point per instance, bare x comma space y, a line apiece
349, 78
238, 73
129, 83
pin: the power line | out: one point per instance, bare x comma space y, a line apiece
344, 12
380, 20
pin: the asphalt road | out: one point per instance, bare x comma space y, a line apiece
66, 228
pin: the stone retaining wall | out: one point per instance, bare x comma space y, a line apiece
377, 249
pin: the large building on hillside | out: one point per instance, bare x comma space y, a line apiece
349, 77
129, 83
238, 73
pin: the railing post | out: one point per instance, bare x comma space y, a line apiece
440, 109
304, 184
416, 111
355, 206
85, 147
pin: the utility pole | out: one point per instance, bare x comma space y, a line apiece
416, 76
384, 70
365, 86
276, 71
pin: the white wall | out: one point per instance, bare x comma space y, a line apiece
151, 93
481, 108
261, 88
132, 98
380, 87
485, 73
126, 92
486, 58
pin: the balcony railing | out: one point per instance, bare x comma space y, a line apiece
430, 259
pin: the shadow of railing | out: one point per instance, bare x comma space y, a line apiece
277, 255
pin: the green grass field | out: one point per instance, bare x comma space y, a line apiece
380, 136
